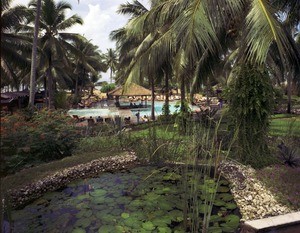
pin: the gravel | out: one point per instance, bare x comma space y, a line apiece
254, 200
22, 196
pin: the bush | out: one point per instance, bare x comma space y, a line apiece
108, 87
61, 100
45, 136
250, 98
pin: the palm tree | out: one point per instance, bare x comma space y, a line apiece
54, 42
87, 64
111, 60
197, 28
15, 47
34, 54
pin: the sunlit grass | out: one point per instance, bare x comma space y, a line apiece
285, 125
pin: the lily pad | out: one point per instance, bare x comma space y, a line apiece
133, 223
159, 222
176, 215
125, 215
214, 229
223, 189
149, 226
98, 192
106, 229
83, 222
219, 203
78, 230
215, 218
83, 196
230, 206
225, 196
151, 196
164, 230
231, 224
171, 177
166, 205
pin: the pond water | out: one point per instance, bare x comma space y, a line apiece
143, 199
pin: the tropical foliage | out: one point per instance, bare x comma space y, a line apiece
65, 60
250, 107
28, 139
15, 47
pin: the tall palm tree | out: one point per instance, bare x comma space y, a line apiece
87, 64
128, 44
15, 46
54, 42
111, 60
34, 54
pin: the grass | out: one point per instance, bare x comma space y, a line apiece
285, 125
33, 174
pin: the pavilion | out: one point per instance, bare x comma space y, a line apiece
133, 90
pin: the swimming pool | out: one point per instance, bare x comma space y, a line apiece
112, 112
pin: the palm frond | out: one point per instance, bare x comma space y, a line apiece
262, 20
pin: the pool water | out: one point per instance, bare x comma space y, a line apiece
112, 112
143, 199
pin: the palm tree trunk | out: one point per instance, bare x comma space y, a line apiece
34, 55
76, 89
167, 76
289, 92
111, 71
50, 86
182, 95
152, 99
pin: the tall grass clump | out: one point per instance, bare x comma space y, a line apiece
250, 97
201, 163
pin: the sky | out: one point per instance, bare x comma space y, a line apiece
100, 18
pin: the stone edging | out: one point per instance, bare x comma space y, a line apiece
20, 197
292, 221
254, 200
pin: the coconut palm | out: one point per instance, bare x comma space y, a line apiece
111, 60
87, 64
34, 55
15, 47
196, 27
54, 42
128, 44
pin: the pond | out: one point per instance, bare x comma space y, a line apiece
143, 199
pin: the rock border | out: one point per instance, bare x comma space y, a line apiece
253, 198
22, 196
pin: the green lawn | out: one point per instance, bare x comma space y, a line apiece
285, 125
29, 175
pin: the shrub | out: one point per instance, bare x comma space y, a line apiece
289, 155
45, 136
61, 100
250, 98
108, 87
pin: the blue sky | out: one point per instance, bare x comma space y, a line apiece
100, 18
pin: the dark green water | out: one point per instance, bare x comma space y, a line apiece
143, 199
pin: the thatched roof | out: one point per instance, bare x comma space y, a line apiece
132, 90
